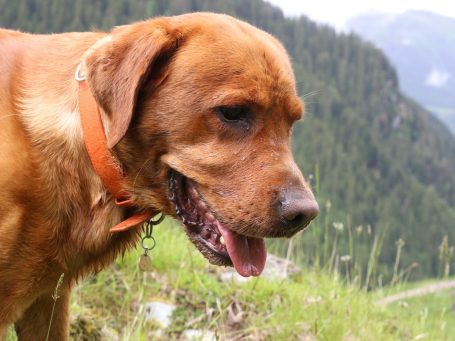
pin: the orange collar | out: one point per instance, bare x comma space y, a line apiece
102, 159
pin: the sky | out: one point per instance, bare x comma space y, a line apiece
336, 13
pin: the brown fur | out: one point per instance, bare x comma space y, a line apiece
158, 83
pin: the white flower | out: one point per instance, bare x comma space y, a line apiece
338, 226
345, 258
313, 299
328, 204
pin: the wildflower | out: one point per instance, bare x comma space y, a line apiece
403, 304
359, 229
313, 299
338, 226
345, 258
328, 205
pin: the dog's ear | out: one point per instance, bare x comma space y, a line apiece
120, 64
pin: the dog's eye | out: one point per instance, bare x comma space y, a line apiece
234, 114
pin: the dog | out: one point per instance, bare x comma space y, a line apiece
196, 113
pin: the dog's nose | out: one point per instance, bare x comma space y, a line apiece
296, 209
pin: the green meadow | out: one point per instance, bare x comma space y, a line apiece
312, 304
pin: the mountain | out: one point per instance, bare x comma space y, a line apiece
380, 158
421, 45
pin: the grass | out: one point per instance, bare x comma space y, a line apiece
431, 316
311, 305
314, 303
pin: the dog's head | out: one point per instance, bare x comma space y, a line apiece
200, 110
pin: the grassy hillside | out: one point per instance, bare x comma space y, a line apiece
378, 157
311, 305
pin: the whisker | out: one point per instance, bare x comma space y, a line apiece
311, 93
139, 172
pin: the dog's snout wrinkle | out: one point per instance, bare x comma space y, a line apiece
296, 209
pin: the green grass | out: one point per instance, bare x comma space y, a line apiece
312, 304
430, 316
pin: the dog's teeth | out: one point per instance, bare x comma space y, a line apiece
222, 242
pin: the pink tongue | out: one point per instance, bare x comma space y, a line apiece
248, 254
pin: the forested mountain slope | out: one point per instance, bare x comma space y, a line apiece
421, 46
381, 159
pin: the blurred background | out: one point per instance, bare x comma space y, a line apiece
416, 36
378, 146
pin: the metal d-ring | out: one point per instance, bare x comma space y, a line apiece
148, 233
149, 225
156, 222
144, 245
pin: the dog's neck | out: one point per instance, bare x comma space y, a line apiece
103, 160
49, 112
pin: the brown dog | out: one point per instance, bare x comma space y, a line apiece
197, 110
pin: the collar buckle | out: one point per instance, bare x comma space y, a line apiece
80, 75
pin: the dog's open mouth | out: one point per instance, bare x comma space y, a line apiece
219, 244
